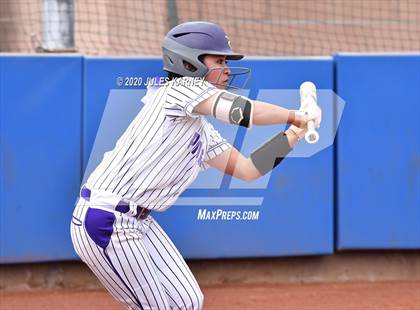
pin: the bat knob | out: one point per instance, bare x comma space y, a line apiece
312, 137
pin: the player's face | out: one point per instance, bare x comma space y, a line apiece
218, 70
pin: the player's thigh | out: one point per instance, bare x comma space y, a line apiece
131, 260
94, 257
123, 266
174, 273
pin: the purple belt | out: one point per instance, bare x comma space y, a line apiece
122, 206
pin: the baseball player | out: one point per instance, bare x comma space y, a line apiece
159, 155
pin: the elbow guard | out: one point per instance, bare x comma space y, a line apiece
232, 109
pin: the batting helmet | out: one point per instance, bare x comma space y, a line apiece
188, 41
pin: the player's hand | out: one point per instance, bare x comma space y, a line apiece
313, 113
298, 131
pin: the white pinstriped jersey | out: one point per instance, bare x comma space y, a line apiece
163, 149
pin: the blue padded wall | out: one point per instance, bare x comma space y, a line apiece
378, 152
40, 104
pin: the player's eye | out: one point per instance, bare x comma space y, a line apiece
221, 61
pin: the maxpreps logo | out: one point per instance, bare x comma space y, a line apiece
227, 215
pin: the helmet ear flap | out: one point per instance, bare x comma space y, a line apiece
169, 59
189, 66
182, 60
183, 63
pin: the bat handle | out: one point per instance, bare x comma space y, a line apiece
311, 136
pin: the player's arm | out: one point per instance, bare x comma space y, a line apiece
262, 160
269, 114
239, 110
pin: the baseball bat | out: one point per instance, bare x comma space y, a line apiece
308, 96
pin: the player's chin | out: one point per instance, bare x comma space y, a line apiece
222, 85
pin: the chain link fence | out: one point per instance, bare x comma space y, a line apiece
255, 27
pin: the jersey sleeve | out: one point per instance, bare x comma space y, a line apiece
184, 94
216, 144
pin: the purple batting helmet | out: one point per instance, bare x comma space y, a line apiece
188, 41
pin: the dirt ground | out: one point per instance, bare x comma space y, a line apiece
330, 296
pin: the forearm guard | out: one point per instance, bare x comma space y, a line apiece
271, 153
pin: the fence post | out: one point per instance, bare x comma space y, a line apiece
58, 26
